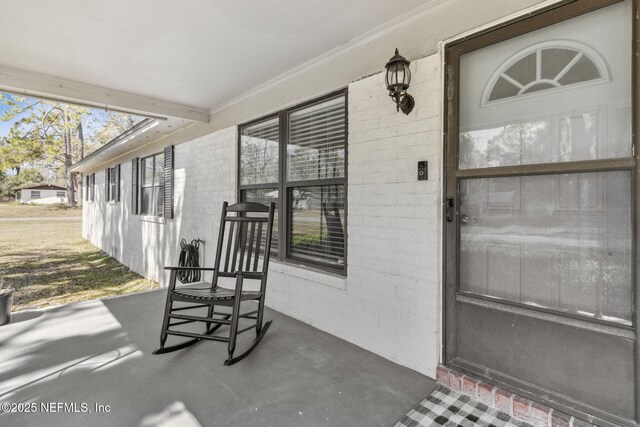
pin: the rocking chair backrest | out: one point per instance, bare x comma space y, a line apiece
244, 241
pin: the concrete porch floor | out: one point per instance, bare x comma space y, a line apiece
99, 352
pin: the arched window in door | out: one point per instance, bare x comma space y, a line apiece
545, 66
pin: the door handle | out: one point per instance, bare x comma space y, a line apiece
449, 209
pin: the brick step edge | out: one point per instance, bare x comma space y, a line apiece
519, 407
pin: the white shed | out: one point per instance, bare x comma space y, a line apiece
42, 194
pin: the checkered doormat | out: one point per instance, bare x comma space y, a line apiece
448, 408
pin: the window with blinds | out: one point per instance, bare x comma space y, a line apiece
259, 146
152, 185
297, 158
259, 166
316, 145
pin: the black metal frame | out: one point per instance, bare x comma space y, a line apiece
244, 245
283, 251
550, 15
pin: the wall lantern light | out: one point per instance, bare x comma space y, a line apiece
398, 79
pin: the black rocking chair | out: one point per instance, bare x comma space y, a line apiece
246, 257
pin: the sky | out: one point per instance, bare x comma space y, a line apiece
99, 114
4, 126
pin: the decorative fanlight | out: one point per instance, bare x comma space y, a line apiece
398, 79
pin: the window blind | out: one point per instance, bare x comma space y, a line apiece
316, 147
259, 152
318, 223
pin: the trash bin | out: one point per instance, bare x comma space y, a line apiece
6, 301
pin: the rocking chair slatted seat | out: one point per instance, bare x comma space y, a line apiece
246, 247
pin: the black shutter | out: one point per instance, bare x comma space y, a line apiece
168, 181
134, 186
86, 188
118, 183
106, 185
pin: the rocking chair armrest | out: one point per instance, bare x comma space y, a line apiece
190, 268
248, 274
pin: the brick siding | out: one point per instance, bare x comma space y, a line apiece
389, 300
520, 407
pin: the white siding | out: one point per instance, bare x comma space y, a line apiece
51, 197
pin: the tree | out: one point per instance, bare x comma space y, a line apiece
44, 132
11, 183
53, 136
111, 124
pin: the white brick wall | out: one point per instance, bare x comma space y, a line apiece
389, 301
204, 176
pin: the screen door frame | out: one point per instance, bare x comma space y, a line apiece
452, 175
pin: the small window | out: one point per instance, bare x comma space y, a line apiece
543, 67
61, 194
112, 184
92, 187
297, 158
35, 194
152, 185
89, 190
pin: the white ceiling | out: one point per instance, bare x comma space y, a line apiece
200, 53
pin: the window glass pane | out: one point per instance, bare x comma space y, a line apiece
560, 242
523, 71
146, 202
259, 152
503, 89
159, 200
576, 94
317, 137
147, 171
318, 223
582, 71
265, 196
554, 61
112, 184
158, 178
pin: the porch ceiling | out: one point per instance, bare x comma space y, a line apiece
199, 53
100, 352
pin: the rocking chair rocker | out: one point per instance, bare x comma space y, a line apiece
246, 257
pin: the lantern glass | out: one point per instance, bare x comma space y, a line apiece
398, 76
390, 77
406, 75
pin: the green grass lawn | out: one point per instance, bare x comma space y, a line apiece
16, 210
49, 263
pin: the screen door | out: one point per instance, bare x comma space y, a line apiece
540, 209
